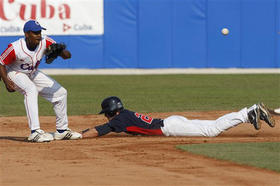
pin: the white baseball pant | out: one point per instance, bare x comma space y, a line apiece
30, 85
181, 126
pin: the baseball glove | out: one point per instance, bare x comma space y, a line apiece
53, 51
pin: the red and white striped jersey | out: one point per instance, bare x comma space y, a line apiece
17, 57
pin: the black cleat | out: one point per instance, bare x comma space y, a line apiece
265, 115
254, 117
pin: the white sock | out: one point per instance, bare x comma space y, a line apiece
252, 108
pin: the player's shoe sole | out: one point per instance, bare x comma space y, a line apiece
254, 117
265, 115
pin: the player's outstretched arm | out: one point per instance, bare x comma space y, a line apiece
89, 133
97, 131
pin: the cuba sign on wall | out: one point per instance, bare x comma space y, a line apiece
60, 17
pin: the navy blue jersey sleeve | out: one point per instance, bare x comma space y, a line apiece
103, 129
117, 125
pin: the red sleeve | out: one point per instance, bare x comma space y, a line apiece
8, 56
49, 41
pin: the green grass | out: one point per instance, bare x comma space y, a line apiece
156, 93
263, 155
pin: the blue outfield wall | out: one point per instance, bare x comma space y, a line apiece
178, 34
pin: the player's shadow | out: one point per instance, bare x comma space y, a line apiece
14, 138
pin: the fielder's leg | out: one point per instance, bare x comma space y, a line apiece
26, 87
52, 91
57, 95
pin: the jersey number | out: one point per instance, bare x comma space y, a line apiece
144, 118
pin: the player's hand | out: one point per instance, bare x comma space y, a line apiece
10, 86
89, 133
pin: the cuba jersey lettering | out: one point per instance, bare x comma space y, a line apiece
132, 123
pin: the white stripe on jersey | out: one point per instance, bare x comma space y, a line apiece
1, 62
7, 52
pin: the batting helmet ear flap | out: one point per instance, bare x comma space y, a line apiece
111, 104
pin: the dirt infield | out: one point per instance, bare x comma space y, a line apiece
119, 159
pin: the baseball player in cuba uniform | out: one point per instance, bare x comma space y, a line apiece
19, 71
123, 120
